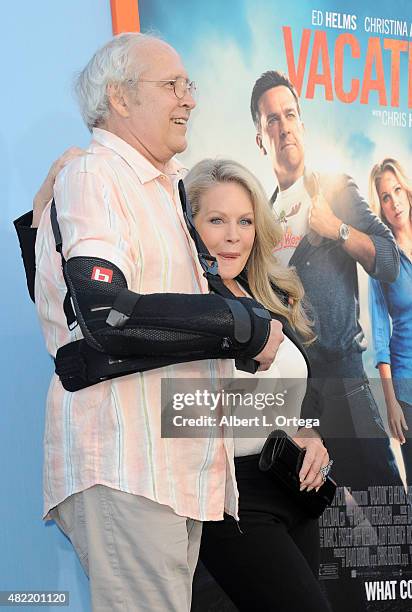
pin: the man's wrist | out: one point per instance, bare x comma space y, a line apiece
343, 233
333, 229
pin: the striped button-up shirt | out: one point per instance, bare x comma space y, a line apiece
114, 204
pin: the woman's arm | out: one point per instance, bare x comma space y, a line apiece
316, 455
45, 193
381, 334
380, 323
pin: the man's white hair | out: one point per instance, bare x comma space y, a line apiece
115, 63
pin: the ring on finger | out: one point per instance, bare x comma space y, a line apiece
324, 471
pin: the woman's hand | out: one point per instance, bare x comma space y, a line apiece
45, 193
316, 457
396, 420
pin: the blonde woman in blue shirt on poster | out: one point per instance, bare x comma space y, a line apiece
391, 303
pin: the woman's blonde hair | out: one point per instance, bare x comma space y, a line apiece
262, 266
391, 165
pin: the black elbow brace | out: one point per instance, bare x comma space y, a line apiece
119, 322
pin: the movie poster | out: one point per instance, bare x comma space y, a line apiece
351, 64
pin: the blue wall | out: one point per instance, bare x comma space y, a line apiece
42, 45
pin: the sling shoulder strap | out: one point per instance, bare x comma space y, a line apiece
67, 304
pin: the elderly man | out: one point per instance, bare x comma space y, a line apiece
329, 228
130, 501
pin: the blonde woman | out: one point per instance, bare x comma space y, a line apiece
391, 304
270, 559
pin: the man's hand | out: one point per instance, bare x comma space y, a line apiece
276, 337
316, 457
324, 223
45, 193
322, 220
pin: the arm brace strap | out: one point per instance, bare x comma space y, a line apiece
122, 323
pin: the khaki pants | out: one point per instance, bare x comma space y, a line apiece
139, 555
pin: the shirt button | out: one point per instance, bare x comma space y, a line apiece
308, 263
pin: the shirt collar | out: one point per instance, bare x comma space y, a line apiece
293, 190
144, 169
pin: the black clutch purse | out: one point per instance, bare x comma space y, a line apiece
281, 458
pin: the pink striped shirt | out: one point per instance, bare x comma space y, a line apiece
114, 204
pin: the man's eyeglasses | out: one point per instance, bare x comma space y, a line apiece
181, 86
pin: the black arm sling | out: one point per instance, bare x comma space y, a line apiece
78, 365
